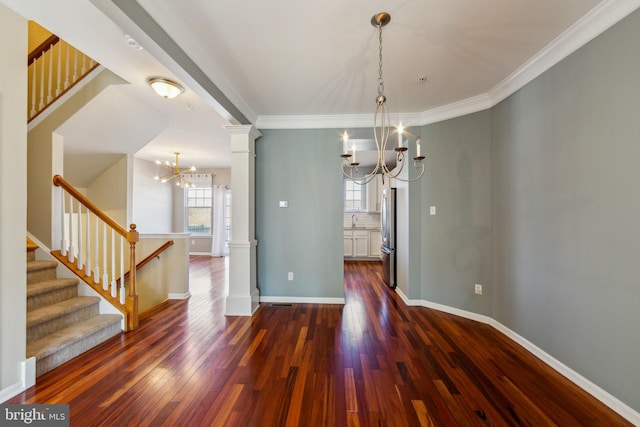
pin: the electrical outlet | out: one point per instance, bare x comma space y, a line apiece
290, 275
478, 289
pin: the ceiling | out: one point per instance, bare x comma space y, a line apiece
302, 64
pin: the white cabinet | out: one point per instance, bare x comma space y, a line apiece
362, 244
348, 244
375, 241
374, 194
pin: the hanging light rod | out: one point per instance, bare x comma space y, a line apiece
381, 131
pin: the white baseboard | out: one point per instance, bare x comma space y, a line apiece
603, 396
11, 391
27, 380
184, 295
29, 372
301, 300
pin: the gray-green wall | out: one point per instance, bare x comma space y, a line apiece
566, 211
456, 242
537, 199
300, 167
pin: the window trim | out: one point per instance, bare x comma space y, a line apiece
187, 207
363, 196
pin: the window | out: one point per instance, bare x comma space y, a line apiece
354, 196
199, 202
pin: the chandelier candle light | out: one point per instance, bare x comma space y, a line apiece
381, 131
176, 173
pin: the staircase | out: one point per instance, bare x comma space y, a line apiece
60, 324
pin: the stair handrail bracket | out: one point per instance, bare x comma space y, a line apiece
92, 245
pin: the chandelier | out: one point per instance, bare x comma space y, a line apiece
381, 132
176, 174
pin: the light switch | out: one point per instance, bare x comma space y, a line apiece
432, 210
284, 204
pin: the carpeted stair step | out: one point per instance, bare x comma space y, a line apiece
46, 292
40, 270
31, 250
65, 344
54, 317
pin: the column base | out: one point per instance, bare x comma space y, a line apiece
244, 296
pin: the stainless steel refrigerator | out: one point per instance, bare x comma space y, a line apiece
388, 230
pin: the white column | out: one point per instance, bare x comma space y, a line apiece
243, 299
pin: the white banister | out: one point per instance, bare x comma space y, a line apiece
77, 240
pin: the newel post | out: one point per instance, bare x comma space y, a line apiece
132, 297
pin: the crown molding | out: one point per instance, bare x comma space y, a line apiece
598, 20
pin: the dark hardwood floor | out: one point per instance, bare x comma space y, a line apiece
371, 362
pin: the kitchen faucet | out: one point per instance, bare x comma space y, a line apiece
354, 219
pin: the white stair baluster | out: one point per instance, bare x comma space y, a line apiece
71, 248
122, 291
105, 275
114, 283
49, 81
80, 257
63, 241
41, 104
34, 89
83, 71
74, 78
67, 60
87, 265
96, 254
58, 77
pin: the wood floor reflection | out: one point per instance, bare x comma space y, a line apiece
371, 362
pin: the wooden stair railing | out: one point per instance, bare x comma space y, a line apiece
84, 237
54, 68
147, 260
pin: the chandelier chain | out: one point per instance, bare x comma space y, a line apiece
381, 132
380, 79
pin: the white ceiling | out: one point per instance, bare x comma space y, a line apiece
283, 63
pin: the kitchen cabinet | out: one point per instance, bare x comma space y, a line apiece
374, 194
375, 241
362, 244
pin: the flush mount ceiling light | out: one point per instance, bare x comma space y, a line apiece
165, 88
176, 173
381, 131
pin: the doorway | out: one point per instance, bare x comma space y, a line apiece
362, 224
